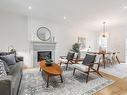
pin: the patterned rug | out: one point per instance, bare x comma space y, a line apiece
33, 83
118, 70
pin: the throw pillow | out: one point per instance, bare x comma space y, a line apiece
7, 53
4, 53
9, 59
89, 59
5, 66
2, 71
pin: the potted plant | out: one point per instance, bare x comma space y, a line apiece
75, 47
48, 61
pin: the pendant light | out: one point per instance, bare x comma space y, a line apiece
104, 33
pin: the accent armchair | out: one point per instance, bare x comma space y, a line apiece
69, 59
91, 63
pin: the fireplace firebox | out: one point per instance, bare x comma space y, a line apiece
43, 54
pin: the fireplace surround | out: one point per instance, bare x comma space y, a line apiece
46, 48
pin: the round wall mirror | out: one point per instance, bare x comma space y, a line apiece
43, 33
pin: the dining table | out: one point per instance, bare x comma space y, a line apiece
104, 53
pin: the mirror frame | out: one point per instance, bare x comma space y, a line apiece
48, 32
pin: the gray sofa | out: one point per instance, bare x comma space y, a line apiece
11, 84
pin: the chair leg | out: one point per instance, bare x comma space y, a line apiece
117, 59
87, 77
97, 71
88, 74
66, 66
60, 63
113, 61
74, 71
61, 78
47, 81
40, 68
99, 74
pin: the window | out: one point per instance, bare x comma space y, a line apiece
103, 43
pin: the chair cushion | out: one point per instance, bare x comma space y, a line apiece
80, 67
89, 59
63, 60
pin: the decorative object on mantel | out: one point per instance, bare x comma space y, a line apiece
44, 34
53, 39
104, 34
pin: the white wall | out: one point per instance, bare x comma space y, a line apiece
65, 35
117, 40
13, 31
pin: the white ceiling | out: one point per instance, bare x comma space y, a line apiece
74, 10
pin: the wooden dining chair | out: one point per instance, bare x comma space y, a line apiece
88, 65
115, 57
109, 59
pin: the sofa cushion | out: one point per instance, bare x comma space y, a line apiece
89, 59
16, 74
14, 69
2, 71
9, 59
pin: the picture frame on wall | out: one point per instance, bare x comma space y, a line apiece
82, 42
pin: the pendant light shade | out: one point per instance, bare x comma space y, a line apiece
104, 33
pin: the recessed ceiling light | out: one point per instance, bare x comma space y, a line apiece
125, 7
65, 17
30, 8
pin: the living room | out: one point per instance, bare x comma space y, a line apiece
67, 22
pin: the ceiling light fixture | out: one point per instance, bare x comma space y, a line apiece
125, 7
30, 8
65, 17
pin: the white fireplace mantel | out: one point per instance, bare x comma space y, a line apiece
42, 46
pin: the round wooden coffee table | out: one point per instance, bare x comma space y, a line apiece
53, 70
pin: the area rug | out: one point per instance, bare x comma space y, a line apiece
33, 83
118, 70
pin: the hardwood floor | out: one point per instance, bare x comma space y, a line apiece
117, 88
